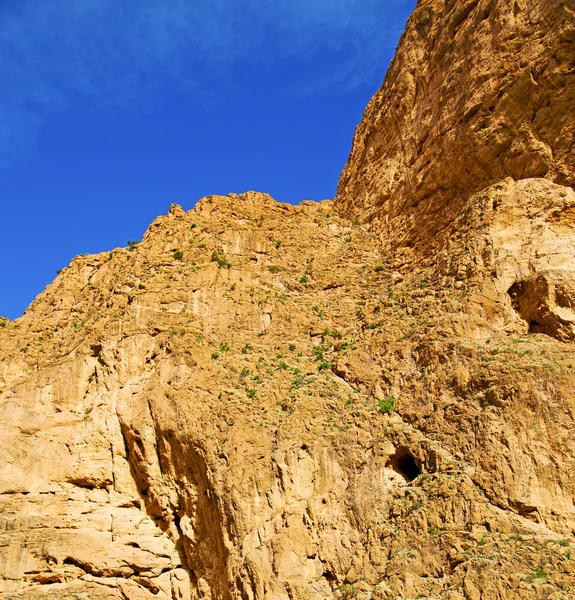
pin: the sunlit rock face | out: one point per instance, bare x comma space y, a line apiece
479, 90
372, 397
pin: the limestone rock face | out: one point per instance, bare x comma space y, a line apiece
478, 91
256, 402
515, 241
368, 398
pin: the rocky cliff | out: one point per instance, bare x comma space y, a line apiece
372, 397
479, 90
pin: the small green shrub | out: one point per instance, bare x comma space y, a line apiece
297, 381
378, 268
303, 279
347, 239
178, 255
224, 347
251, 393
538, 573
282, 365
215, 355
347, 591
273, 269
319, 352
193, 225
132, 244
327, 332
324, 365
246, 349
278, 244
372, 326
291, 347
386, 405
221, 259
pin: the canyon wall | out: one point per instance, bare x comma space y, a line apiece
371, 397
478, 91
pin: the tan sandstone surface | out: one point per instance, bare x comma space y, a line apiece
479, 90
371, 397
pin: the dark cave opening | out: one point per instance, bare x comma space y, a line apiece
514, 293
405, 465
527, 297
329, 576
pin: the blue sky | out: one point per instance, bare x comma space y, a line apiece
113, 109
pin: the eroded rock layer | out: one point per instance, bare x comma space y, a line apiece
478, 91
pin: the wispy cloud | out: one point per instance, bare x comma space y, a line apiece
117, 53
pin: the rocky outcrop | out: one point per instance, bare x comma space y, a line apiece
254, 402
479, 90
372, 397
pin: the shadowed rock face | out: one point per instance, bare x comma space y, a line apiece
271, 402
479, 90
